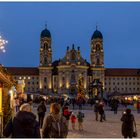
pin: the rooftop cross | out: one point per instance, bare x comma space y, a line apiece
46, 24
96, 25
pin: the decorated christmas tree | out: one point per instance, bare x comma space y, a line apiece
81, 91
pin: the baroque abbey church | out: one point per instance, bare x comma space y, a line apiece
61, 76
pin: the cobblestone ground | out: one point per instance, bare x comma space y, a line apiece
111, 128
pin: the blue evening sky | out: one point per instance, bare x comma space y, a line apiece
71, 22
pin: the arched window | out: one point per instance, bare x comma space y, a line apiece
45, 46
98, 61
97, 47
45, 60
73, 77
45, 79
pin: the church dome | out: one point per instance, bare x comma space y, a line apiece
45, 33
97, 34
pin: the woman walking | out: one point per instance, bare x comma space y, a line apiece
54, 125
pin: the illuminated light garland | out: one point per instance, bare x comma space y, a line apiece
2, 44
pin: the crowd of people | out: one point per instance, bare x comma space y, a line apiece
56, 124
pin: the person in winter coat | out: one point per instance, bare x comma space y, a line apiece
128, 124
23, 125
73, 103
80, 118
115, 104
73, 121
96, 109
54, 125
101, 111
66, 113
138, 106
41, 113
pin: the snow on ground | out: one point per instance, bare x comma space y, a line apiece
111, 128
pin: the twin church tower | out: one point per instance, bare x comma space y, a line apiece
61, 76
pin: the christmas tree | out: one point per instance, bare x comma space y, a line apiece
81, 91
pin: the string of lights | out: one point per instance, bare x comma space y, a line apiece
2, 44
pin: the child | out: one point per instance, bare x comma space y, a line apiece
66, 113
73, 121
80, 117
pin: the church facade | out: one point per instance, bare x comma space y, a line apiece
61, 76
